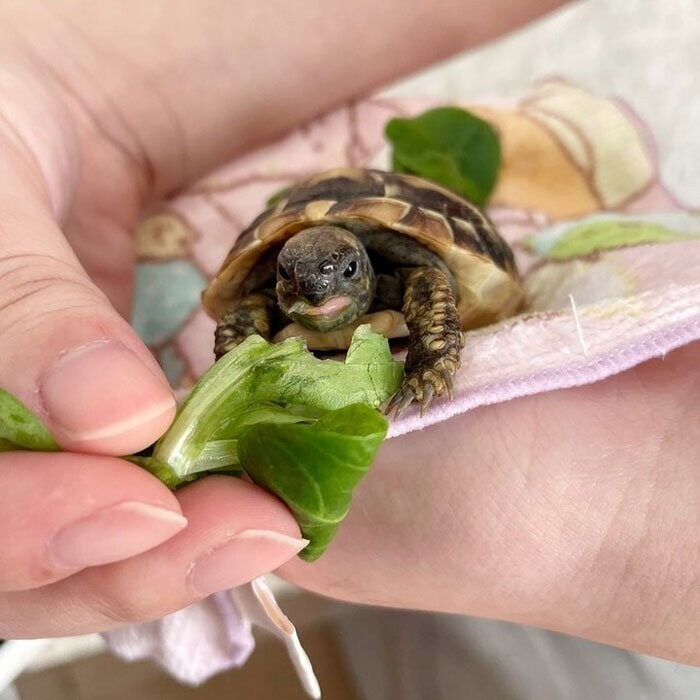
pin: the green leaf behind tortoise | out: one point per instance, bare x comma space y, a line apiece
591, 236
277, 196
449, 146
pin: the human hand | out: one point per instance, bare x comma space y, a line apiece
105, 107
575, 510
79, 533
72, 526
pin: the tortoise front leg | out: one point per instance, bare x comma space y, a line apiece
250, 316
435, 339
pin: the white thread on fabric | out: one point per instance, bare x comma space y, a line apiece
577, 321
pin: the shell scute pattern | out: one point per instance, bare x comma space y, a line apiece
480, 260
336, 188
382, 210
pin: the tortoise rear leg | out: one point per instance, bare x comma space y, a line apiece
435, 339
251, 316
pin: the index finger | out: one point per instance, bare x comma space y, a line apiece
60, 513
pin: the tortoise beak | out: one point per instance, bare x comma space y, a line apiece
298, 307
329, 308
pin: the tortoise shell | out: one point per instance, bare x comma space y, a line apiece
488, 283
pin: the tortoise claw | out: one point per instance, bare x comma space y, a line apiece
401, 400
449, 384
428, 393
408, 398
424, 392
393, 402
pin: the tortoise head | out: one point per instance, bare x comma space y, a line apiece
324, 278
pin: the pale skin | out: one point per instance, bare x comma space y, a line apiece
574, 510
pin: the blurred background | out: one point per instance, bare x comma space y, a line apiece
648, 53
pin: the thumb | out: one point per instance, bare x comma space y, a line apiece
64, 351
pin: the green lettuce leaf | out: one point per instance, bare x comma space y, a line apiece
303, 428
593, 236
161, 471
314, 468
277, 196
263, 382
450, 146
20, 429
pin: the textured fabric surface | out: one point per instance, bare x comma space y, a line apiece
192, 644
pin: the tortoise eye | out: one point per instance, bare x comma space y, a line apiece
283, 273
351, 269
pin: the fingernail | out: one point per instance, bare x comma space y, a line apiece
103, 394
244, 557
112, 534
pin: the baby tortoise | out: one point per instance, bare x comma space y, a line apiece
352, 246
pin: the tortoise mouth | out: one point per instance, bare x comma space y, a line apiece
329, 308
332, 313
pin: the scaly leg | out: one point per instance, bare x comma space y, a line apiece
250, 317
435, 339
